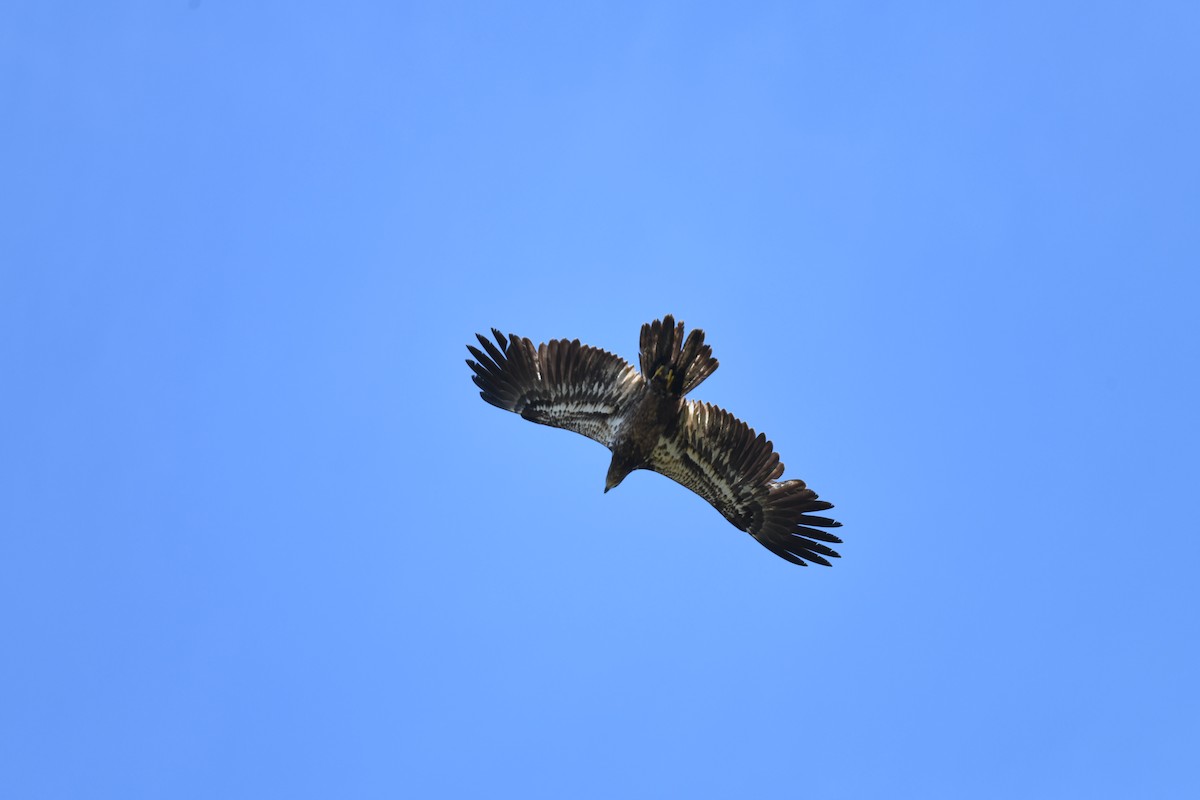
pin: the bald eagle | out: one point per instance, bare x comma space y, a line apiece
647, 422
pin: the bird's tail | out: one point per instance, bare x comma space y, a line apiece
669, 362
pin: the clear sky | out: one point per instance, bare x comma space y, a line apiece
261, 538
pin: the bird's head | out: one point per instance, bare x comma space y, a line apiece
617, 471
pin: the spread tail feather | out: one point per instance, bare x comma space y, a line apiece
669, 362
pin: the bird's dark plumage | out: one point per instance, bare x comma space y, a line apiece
647, 423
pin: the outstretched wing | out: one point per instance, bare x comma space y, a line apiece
559, 383
720, 458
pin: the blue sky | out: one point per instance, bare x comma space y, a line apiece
263, 539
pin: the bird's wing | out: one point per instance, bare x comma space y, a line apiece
720, 458
559, 383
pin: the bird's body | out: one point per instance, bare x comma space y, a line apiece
652, 417
647, 422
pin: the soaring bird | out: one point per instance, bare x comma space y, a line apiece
647, 422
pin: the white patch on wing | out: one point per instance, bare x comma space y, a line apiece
700, 459
584, 408
679, 464
590, 408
